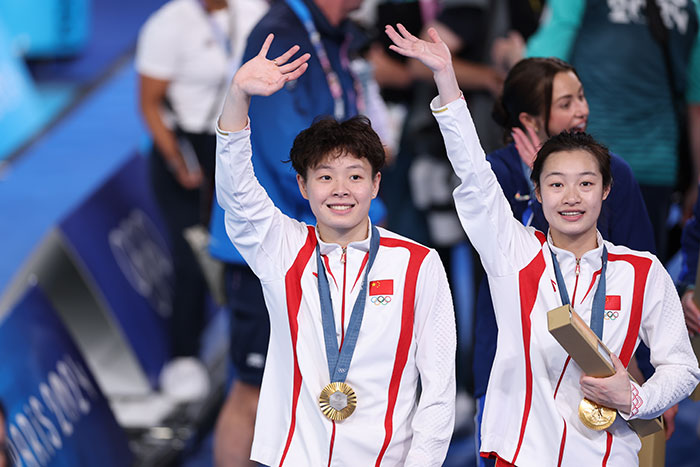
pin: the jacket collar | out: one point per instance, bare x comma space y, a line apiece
361, 245
591, 258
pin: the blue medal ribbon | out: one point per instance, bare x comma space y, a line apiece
598, 309
528, 214
339, 361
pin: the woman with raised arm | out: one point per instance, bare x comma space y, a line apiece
360, 367
531, 411
542, 97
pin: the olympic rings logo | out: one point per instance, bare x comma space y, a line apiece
381, 299
611, 315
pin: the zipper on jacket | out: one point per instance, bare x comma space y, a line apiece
577, 271
343, 258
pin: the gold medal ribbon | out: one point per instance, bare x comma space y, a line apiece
338, 400
594, 416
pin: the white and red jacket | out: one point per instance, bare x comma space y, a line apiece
531, 409
407, 335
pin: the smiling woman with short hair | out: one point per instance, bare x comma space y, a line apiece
342, 292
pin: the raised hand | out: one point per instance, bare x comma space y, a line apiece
259, 77
262, 77
434, 54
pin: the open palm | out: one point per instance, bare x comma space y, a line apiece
262, 77
435, 55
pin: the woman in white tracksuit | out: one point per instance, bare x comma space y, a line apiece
531, 412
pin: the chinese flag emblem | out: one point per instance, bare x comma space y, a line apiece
612, 302
382, 287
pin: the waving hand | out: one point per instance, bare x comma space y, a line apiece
434, 54
259, 76
262, 77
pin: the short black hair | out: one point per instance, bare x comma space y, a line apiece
571, 141
329, 138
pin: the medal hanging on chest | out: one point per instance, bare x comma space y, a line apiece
593, 415
338, 400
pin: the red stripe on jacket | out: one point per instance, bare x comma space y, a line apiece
608, 448
328, 268
417, 255
561, 445
292, 282
359, 273
593, 278
641, 267
529, 280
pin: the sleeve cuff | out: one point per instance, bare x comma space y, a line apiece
225, 133
436, 106
635, 403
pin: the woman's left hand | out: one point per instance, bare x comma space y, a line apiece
613, 391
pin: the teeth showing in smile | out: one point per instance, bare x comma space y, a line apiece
339, 207
571, 213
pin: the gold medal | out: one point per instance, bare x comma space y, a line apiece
337, 401
595, 416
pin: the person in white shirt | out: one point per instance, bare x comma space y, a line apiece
183, 60
531, 410
360, 367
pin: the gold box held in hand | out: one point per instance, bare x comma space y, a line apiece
574, 335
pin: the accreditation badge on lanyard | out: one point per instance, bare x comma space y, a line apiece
334, 85
338, 400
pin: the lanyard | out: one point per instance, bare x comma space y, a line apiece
528, 214
339, 361
221, 37
598, 309
336, 89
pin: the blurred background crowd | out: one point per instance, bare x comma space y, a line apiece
131, 330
